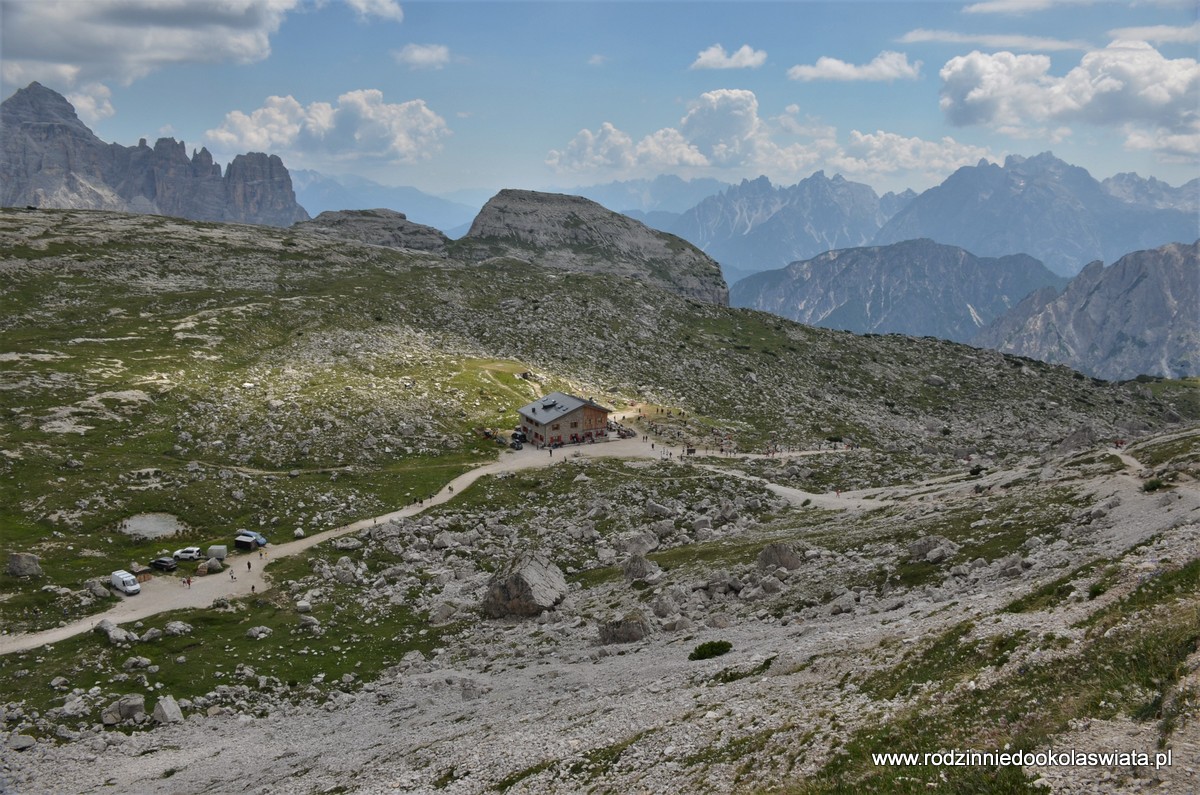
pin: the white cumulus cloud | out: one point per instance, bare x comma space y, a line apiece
77, 47
885, 67
124, 40
92, 102
383, 9
422, 56
1128, 85
715, 57
359, 126
993, 40
723, 135
1160, 34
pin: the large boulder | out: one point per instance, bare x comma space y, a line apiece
527, 586
167, 711
632, 627
23, 564
779, 554
638, 568
114, 633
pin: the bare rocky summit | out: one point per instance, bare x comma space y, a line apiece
577, 234
51, 159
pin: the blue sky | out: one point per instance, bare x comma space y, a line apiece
451, 95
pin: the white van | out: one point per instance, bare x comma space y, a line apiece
125, 582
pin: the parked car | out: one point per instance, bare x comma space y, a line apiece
258, 538
164, 564
188, 553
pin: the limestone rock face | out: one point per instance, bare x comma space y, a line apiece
51, 159
23, 564
1137, 316
377, 227
529, 585
576, 234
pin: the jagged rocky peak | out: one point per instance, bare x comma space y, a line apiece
573, 233
379, 227
36, 104
51, 159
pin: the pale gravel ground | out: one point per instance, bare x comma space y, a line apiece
413, 726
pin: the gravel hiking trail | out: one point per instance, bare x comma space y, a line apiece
163, 594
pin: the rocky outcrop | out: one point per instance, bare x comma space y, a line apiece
1043, 207
527, 586
917, 287
51, 159
576, 234
23, 564
379, 227
1136, 317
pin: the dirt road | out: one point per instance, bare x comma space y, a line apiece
163, 594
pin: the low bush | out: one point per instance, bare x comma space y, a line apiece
710, 649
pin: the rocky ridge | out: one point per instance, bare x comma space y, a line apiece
917, 287
576, 234
51, 159
1137, 316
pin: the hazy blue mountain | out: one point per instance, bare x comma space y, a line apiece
666, 192
1141, 315
916, 287
756, 226
1151, 192
320, 192
1043, 207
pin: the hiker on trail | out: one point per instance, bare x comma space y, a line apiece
251, 589
260, 554
188, 580
231, 575
247, 565
451, 489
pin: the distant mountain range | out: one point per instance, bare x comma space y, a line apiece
1038, 206
916, 287
756, 226
665, 195
1140, 315
1050, 210
321, 193
51, 159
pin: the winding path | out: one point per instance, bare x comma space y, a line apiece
163, 594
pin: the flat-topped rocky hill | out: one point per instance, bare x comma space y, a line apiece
577, 234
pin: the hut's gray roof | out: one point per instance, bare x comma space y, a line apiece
554, 405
